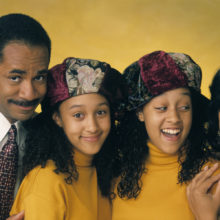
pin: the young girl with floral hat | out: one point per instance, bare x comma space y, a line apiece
71, 145
163, 141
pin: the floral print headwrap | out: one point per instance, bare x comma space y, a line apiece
158, 72
77, 76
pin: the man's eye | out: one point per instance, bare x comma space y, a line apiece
15, 78
40, 78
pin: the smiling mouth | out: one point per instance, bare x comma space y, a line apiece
27, 108
91, 138
171, 132
25, 105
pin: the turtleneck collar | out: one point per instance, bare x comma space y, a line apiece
81, 159
157, 157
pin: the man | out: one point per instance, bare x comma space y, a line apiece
25, 51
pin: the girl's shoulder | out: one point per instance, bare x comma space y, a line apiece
41, 181
41, 187
45, 174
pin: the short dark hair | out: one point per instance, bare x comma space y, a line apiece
20, 27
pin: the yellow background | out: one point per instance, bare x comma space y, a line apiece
121, 31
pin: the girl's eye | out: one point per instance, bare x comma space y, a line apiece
162, 108
78, 115
184, 108
101, 112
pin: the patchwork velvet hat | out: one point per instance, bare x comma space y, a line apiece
77, 76
158, 72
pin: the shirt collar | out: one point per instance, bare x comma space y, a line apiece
5, 125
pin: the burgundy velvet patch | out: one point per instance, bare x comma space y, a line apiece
57, 86
160, 73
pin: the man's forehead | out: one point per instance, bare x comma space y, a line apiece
19, 53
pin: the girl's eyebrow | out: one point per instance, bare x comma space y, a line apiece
78, 106
103, 103
75, 106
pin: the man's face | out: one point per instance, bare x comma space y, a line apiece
23, 77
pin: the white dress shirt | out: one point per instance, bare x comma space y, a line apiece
5, 125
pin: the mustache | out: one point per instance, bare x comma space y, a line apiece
24, 103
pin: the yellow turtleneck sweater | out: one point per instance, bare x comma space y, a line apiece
45, 195
161, 197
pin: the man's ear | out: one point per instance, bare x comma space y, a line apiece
57, 119
140, 115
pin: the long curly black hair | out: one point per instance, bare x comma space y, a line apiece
134, 151
47, 141
213, 127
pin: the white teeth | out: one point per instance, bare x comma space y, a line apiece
171, 131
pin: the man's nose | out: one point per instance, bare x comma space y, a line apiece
27, 91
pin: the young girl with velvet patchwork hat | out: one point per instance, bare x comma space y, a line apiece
163, 141
71, 145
